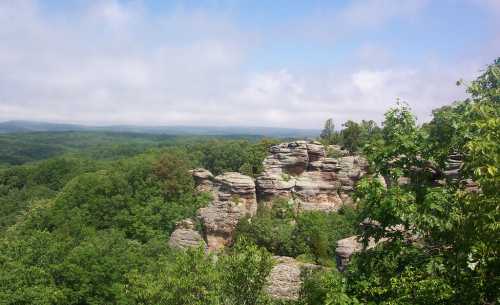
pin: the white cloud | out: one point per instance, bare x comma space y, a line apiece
119, 63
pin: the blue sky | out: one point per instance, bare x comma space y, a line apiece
266, 63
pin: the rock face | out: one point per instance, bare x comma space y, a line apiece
202, 179
301, 171
234, 198
185, 235
347, 247
284, 281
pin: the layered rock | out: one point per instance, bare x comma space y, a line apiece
234, 198
203, 179
347, 247
185, 235
301, 171
284, 280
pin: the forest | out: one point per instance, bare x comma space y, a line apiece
85, 217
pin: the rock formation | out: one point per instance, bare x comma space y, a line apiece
301, 171
203, 179
185, 235
284, 281
233, 198
347, 247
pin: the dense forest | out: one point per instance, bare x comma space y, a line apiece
85, 217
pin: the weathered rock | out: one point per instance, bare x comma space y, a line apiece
337, 151
318, 191
185, 236
237, 188
284, 281
347, 247
234, 198
203, 179
271, 186
315, 151
301, 171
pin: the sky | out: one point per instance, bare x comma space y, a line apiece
238, 63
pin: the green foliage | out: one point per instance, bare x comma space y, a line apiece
78, 231
194, 277
20, 186
244, 273
191, 278
329, 135
223, 156
271, 228
173, 171
355, 135
305, 235
326, 287
456, 257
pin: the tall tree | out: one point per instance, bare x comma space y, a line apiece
328, 134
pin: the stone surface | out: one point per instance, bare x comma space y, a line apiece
347, 247
185, 236
203, 179
301, 171
284, 281
234, 198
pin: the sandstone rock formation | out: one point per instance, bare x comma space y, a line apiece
347, 247
202, 179
284, 281
185, 235
233, 198
301, 171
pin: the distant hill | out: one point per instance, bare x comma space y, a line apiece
29, 126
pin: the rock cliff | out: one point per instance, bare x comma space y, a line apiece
301, 171
233, 198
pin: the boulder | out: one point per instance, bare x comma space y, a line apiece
185, 235
345, 249
284, 280
348, 246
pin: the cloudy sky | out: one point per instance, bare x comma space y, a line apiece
235, 62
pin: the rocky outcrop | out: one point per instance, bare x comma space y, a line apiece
203, 179
347, 247
284, 281
301, 171
185, 236
233, 198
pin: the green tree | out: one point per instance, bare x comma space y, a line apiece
329, 135
456, 257
173, 170
244, 273
325, 288
191, 279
